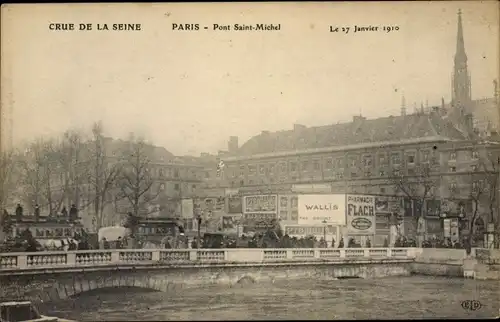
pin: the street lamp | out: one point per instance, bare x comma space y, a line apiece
324, 229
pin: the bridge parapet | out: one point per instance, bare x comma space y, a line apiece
93, 258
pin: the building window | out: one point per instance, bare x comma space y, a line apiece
339, 175
252, 170
382, 173
396, 158
367, 160
453, 156
207, 174
316, 165
193, 187
293, 166
475, 186
475, 155
411, 172
339, 162
453, 169
242, 183
453, 187
283, 166
304, 165
176, 173
397, 173
262, 169
368, 174
382, 160
473, 168
352, 161
160, 173
176, 187
382, 190
425, 156
271, 168
329, 164
410, 159
354, 175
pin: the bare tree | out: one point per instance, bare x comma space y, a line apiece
103, 174
136, 182
419, 185
33, 175
7, 168
484, 188
72, 167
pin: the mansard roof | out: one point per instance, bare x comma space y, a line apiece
359, 131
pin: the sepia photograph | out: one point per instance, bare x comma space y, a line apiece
249, 161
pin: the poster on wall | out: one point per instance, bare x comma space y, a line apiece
287, 207
228, 223
187, 208
258, 220
234, 205
322, 209
360, 215
260, 203
297, 230
447, 228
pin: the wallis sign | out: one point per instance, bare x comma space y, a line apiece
322, 210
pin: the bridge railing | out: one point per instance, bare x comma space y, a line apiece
92, 258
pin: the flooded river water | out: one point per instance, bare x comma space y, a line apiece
387, 298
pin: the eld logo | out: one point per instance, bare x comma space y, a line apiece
471, 305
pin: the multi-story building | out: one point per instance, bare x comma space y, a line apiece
367, 156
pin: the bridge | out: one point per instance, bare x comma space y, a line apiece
47, 276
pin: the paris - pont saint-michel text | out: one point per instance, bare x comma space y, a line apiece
226, 27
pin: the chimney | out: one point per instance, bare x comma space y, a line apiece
298, 127
469, 122
358, 118
232, 145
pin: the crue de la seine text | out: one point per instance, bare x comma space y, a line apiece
95, 26
226, 27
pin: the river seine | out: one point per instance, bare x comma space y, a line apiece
388, 298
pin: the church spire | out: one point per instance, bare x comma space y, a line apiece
461, 78
460, 52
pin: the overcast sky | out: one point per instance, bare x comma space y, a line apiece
189, 91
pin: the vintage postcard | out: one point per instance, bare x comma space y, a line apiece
250, 161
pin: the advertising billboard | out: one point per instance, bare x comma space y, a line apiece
288, 207
187, 208
258, 220
360, 215
297, 230
234, 205
260, 204
322, 209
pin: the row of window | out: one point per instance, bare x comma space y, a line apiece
333, 163
474, 155
475, 186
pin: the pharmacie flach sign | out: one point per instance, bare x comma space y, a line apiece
360, 213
